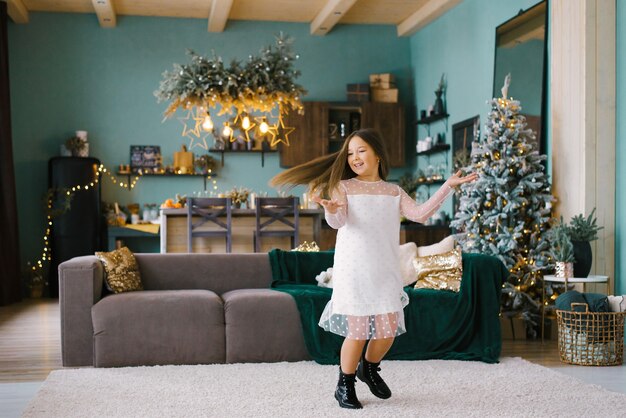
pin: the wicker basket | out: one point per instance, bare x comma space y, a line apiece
591, 338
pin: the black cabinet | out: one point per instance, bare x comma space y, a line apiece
81, 229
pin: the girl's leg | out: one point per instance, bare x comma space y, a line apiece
345, 392
376, 349
367, 370
351, 354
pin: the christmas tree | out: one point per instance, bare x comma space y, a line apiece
506, 211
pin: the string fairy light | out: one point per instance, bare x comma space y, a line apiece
46, 254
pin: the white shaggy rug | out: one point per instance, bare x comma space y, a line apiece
514, 387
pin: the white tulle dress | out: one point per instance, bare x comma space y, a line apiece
368, 299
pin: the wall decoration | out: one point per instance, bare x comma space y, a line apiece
262, 84
145, 158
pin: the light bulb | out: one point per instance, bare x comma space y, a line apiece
264, 127
207, 124
227, 130
245, 124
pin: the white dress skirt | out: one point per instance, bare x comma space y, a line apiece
368, 297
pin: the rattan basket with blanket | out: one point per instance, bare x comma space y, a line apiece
591, 338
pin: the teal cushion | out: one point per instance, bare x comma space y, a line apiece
597, 302
565, 300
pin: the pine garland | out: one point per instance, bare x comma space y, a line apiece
258, 85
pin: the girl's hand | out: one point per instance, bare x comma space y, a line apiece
456, 179
330, 205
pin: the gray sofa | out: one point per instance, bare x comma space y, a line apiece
196, 308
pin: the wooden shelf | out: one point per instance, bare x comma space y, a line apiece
435, 149
129, 175
251, 151
432, 119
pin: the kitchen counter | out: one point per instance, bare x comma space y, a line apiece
174, 232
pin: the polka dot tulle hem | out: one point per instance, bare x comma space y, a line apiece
368, 327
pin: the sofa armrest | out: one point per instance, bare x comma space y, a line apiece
80, 287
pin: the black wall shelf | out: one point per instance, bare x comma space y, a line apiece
435, 149
223, 151
129, 175
432, 119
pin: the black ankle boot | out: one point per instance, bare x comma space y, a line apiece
345, 392
368, 373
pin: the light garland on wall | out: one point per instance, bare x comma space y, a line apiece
262, 84
68, 194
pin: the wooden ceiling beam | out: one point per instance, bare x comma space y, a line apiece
220, 10
426, 14
17, 11
330, 14
106, 13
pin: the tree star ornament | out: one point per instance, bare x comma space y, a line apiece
282, 132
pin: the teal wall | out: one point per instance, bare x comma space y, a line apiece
67, 73
460, 44
620, 154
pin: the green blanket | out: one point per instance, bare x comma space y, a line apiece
440, 324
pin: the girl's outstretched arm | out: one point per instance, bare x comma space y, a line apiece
335, 208
420, 213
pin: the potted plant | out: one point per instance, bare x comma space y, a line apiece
561, 249
582, 231
75, 145
239, 196
204, 164
35, 280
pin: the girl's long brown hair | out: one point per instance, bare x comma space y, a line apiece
323, 174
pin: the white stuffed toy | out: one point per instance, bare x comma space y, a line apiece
325, 278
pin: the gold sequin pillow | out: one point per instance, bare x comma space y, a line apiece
439, 271
122, 272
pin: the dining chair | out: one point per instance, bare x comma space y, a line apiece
209, 210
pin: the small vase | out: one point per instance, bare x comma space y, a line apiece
438, 108
564, 270
584, 258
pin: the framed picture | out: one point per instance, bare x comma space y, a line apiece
463, 133
145, 157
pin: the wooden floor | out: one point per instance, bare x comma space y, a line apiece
30, 343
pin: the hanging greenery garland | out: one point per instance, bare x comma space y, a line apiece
261, 84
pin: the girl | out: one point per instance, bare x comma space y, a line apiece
368, 300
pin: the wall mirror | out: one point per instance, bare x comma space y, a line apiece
521, 50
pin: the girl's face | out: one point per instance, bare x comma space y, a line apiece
362, 159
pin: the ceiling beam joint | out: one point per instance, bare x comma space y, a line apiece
330, 15
425, 15
218, 17
106, 13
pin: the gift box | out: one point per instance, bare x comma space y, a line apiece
382, 81
385, 95
358, 93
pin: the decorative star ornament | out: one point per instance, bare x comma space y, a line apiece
185, 120
282, 132
200, 141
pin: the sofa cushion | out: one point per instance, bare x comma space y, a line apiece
158, 327
122, 273
262, 325
217, 272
